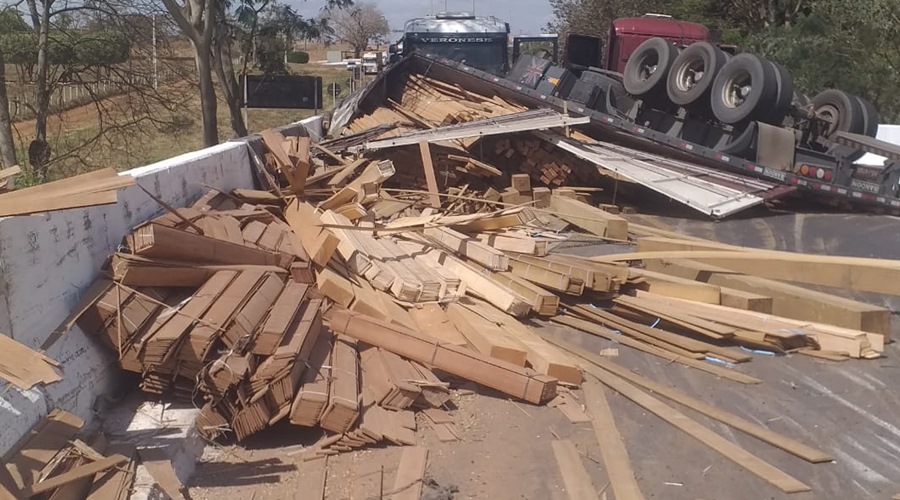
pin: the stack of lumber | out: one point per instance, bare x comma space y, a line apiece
94, 188
539, 163
206, 308
432, 102
58, 459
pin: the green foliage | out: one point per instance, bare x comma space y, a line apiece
102, 48
297, 57
19, 48
67, 49
11, 21
270, 49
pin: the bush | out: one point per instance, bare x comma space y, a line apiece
102, 48
19, 48
92, 49
298, 57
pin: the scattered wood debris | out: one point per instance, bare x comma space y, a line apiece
57, 459
353, 291
23, 367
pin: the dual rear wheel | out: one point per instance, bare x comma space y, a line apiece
734, 90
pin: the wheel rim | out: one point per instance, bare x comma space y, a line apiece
831, 115
647, 66
736, 90
689, 74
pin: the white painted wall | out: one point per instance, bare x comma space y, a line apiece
47, 260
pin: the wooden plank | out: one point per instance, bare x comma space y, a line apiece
575, 478
854, 273
74, 474
673, 286
483, 167
162, 242
513, 242
301, 165
48, 204
542, 356
589, 218
70, 185
346, 172
749, 301
432, 320
343, 402
460, 361
160, 468
479, 284
729, 450
781, 441
335, 287
486, 336
313, 479
116, 483
787, 333
789, 301
410, 473
330, 153
647, 334
612, 448
37, 448
673, 315
595, 329
23, 367
319, 243
468, 248
430, 179
274, 140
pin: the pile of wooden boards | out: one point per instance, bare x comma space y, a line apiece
535, 159
56, 459
221, 304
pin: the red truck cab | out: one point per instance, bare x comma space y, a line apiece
627, 33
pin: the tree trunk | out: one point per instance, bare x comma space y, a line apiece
230, 90
208, 104
7, 146
39, 149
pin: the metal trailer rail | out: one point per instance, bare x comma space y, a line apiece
625, 132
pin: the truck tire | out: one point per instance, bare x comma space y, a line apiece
842, 111
745, 89
693, 72
870, 117
784, 94
647, 68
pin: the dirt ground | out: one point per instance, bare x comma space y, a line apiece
849, 410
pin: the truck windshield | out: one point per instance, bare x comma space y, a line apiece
484, 51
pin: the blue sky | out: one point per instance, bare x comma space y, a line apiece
523, 16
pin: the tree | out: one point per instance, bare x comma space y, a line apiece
594, 17
197, 21
212, 29
10, 22
359, 25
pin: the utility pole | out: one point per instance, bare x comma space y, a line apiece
155, 61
